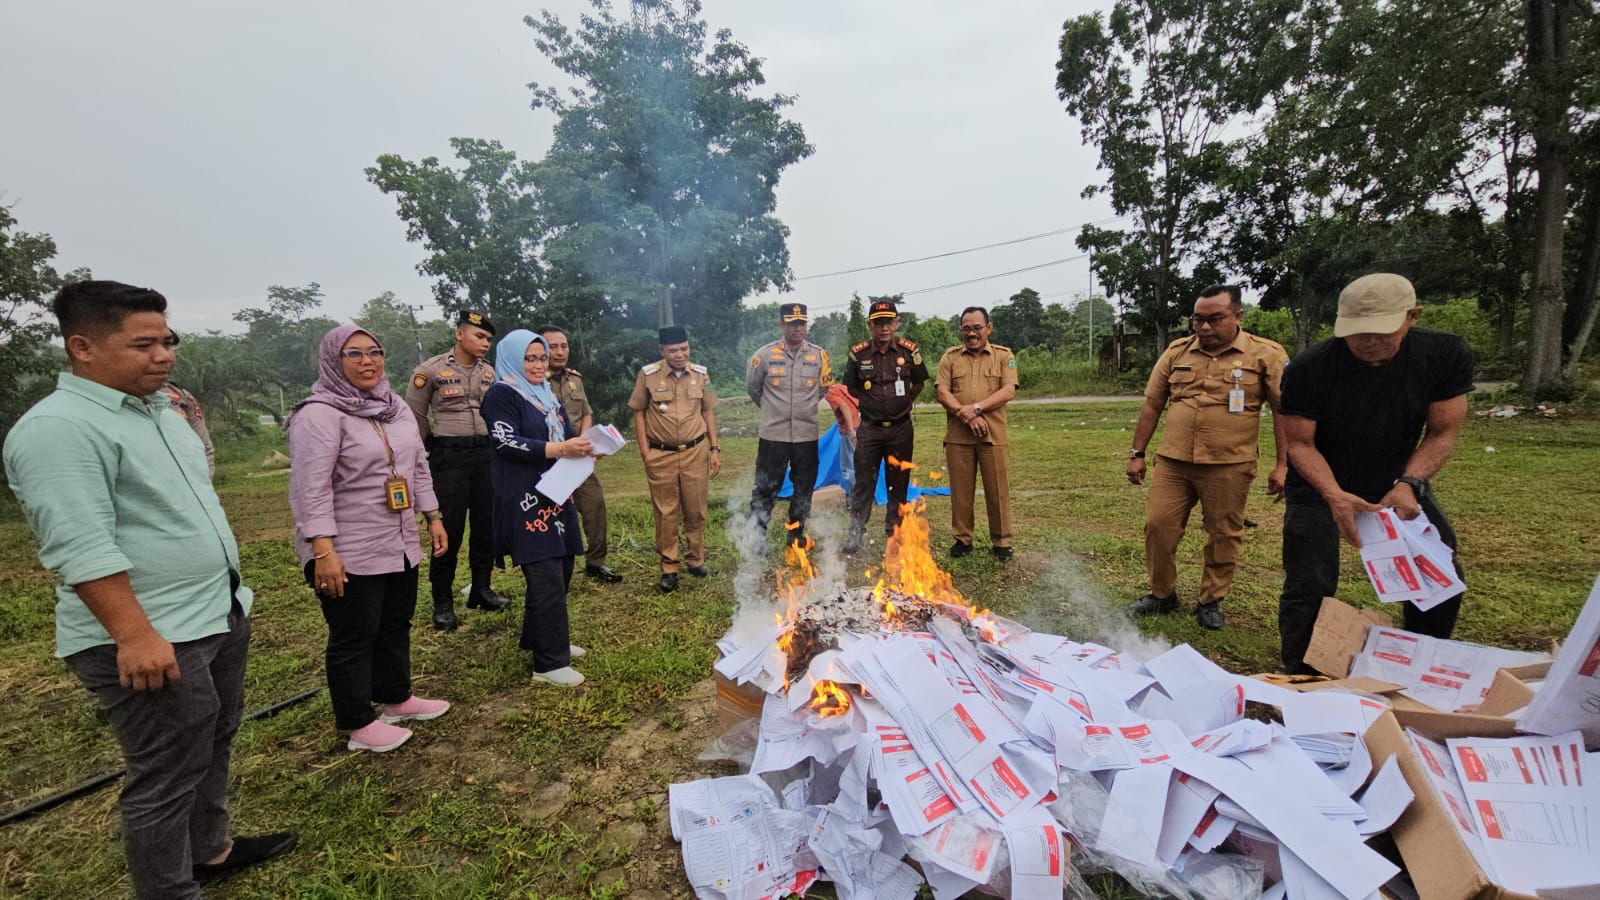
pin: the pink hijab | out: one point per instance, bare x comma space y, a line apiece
335, 390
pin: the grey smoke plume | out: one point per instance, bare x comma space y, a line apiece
1066, 600
753, 581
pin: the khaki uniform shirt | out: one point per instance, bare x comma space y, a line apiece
1194, 385
568, 388
452, 393
871, 375
971, 377
788, 387
672, 402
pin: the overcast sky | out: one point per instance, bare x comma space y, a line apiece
212, 149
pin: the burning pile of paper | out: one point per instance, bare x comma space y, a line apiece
998, 757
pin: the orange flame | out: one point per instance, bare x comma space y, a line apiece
829, 699
898, 464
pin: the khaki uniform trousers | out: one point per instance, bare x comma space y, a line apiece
591, 500
679, 482
963, 463
1221, 490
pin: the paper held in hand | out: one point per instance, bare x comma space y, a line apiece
1407, 560
564, 477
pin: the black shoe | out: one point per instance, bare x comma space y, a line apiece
246, 852
486, 598
602, 573
1209, 615
1001, 553
699, 571
669, 582
958, 549
444, 618
1150, 604
1249, 523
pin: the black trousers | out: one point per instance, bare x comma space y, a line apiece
874, 445
773, 458
1311, 572
544, 613
461, 481
369, 643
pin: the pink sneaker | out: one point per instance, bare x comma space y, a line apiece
415, 708
378, 736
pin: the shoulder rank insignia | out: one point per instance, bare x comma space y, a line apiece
651, 368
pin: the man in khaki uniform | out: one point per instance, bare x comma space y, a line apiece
1213, 385
786, 380
675, 422
567, 383
450, 388
974, 382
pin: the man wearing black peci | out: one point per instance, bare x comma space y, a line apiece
886, 375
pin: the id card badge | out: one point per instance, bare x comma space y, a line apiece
1236, 400
398, 493
899, 387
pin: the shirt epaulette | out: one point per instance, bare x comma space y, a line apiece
698, 368
857, 348
909, 345
956, 349
574, 373
1176, 341
651, 368
994, 346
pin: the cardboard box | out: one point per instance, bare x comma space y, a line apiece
1340, 633
1440, 865
737, 702
1510, 691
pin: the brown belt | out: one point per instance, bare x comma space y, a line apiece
673, 448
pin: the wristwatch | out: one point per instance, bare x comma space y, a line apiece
1136, 454
1418, 486
977, 408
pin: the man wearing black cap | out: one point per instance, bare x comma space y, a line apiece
786, 381
675, 423
450, 388
886, 374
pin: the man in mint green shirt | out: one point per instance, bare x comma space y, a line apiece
150, 615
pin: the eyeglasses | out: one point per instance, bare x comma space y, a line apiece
971, 329
536, 359
356, 355
1213, 320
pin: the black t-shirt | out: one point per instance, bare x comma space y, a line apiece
1370, 418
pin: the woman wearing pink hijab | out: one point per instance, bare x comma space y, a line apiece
359, 479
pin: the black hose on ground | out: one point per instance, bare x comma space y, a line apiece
100, 781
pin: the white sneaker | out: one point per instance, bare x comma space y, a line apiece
576, 652
566, 676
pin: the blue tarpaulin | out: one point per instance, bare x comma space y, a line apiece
831, 450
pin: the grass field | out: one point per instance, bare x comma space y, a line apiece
539, 792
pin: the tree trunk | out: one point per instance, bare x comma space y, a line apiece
1549, 66
1505, 322
1584, 303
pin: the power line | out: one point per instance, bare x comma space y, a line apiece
949, 253
954, 284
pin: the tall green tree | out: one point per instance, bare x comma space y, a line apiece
858, 321
660, 185
407, 339
1153, 89
479, 222
285, 335
28, 278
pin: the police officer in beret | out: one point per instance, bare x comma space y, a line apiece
886, 375
786, 380
444, 396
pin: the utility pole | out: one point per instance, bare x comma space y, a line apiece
416, 330
1090, 301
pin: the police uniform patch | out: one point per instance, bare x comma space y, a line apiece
916, 358
419, 381
1011, 363
447, 373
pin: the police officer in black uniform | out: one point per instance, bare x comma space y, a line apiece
450, 388
885, 374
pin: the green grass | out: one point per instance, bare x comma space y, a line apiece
535, 792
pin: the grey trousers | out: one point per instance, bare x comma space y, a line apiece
176, 744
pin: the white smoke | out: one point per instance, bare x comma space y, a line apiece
1065, 600
754, 581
